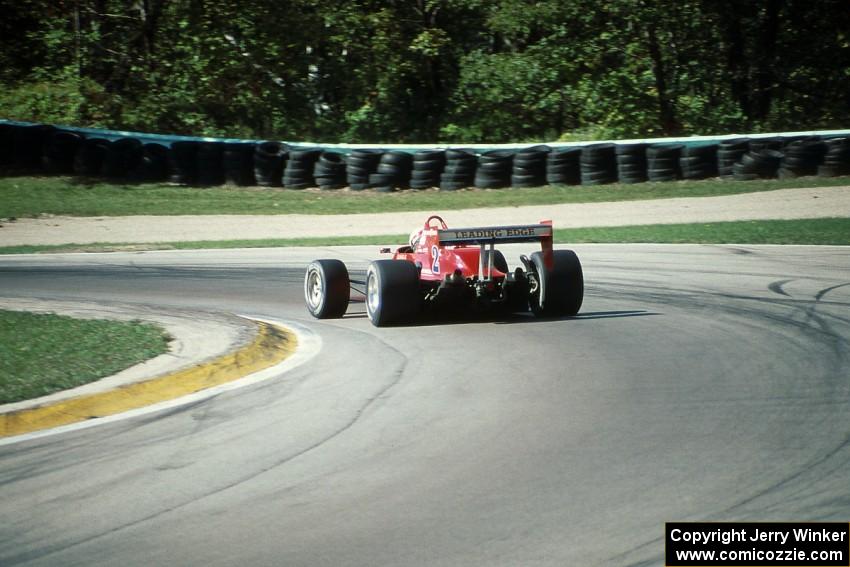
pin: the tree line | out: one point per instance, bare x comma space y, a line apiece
381, 71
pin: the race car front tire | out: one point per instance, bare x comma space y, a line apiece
561, 288
327, 289
392, 292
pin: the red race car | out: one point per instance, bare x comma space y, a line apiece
451, 268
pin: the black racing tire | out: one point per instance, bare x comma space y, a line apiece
123, 156
564, 155
392, 292
599, 175
90, 156
561, 288
424, 183
383, 181
735, 144
269, 162
424, 175
629, 159
446, 185
527, 181
298, 185
563, 179
366, 160
497, 167
460, 154
491, 182
59, 151
662, 163
239, 164
429, 165
153, 166
464, 168
770, 143
520, 170
499, 261
421, 156
357, 171
398, 158
662, 174
211, 164
307, 156
457, 178
327, 289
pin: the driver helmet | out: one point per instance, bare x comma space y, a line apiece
415, 236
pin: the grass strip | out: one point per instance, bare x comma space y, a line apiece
827, 231
45, 353
33, 196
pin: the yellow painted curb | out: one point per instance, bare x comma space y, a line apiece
272, 345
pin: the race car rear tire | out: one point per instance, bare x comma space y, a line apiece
561, 288
499, 261
327, 289
392, 292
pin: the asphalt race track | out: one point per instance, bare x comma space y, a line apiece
698, 383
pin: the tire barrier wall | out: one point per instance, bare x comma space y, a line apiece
143, 158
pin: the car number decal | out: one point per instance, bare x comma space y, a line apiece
435, 254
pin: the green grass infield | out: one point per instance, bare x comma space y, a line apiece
23, 197
828, 231
45, 353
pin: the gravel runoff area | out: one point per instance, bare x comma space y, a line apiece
806, 203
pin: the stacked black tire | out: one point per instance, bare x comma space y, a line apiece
210, 164
428, 165
183, 162
836, 162
60, 148
598, 164
459, 172
802, 157
269, 162
758, 164
393, 173
239, 163
662, 162
7, 133
152, 166
529, 167
330, 171
772, 143
494, 169
563, 167
631, 163
298, 173
124, 155
91, 153
698, 161
360, 164
730, 152
28, 145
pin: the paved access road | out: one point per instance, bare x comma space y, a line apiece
698, 383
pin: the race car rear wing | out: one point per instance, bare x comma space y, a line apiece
485, 236
492, 234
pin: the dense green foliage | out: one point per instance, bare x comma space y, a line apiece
428, 70
44, 353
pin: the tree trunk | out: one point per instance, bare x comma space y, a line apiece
764, 74
666, 111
